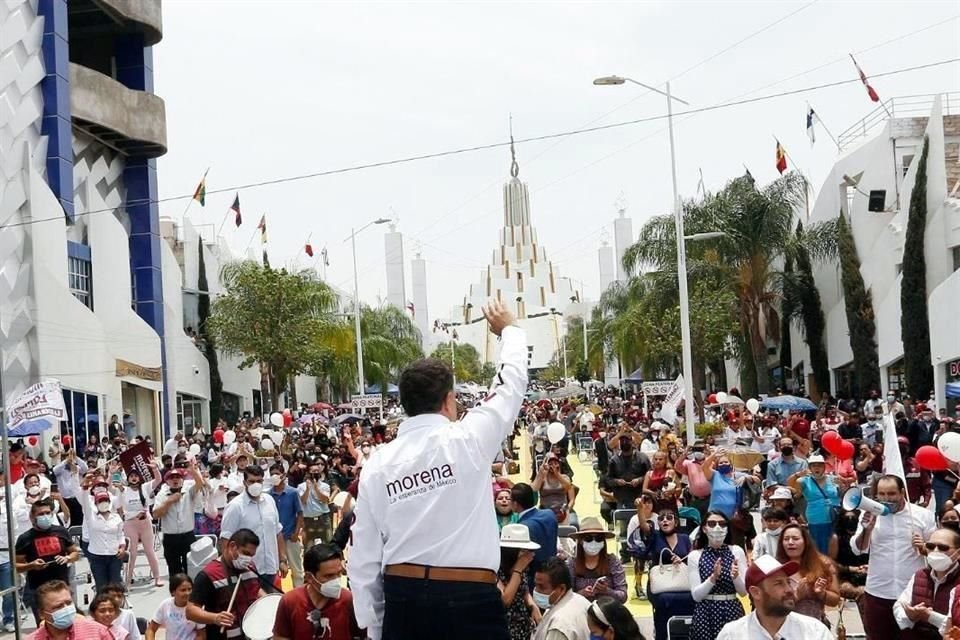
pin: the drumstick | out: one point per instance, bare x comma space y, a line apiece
230, 606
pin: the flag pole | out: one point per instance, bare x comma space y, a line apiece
823, 125
225, 216
806, 180
190, 201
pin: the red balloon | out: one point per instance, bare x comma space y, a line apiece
929, 457
286, 412
287, 418
844, 450
32, 441
66, 440
712, 398
830, 441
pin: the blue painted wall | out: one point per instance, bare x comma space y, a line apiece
56, 101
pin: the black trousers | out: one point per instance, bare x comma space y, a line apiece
442, 610
176, 546
76, 511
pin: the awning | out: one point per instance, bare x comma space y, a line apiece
953, 389
634, 378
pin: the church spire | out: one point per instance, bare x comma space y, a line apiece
514, 167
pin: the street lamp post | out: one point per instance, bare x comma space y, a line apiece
356, 300
583, 303
687, 355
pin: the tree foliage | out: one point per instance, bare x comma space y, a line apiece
467, 359
914, 318
858, 304
391, 341
274, 318
807, 296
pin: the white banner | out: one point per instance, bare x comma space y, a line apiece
42, 400
367, 401
668, 410
657, 387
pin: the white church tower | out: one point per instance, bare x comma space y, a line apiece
393, 248
605, 260
421, 317
622, 238
520, 276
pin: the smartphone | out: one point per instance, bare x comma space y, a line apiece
602, 579
54, 488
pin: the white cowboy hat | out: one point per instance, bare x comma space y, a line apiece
517, 536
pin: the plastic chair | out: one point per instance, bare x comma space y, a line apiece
621, 518
566, 530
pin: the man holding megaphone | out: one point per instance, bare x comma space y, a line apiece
895, 541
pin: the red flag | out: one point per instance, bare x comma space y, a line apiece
235, 207
309, 249
781, 158
863, 78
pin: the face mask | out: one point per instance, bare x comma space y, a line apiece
255, 489
331, 589
542, 600
45, 521
274, 481
175, 489
34, 491
775, 532
939, 561
891, 399
365, 450
717, 535
851, 525
892, 507
724, 468
953, 526
593, 548
243, 562
103, 507
63, 618
786, 451
181, 449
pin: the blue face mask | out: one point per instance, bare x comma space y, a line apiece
596, 636
63, 618
542, 600
45, 521
724, 468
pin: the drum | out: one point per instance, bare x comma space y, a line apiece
258, 620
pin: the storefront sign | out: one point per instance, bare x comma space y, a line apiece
953, 371
42, 400
132, 370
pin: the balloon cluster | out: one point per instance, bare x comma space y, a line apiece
834, 444
938, 458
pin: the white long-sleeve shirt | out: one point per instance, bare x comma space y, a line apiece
700, 589
893, 558
796, 626
261, 517
425, 497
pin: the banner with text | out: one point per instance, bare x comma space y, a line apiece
668, 410
137, 458
42, 400
367, 401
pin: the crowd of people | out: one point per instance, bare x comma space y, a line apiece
439, 536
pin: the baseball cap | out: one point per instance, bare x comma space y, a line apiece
815, 459
101, 497
765, 566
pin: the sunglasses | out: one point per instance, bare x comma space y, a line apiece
931, 546
713, 524
666, 518
593, 538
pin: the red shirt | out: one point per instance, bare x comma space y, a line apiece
298, 618
82, 629
16, 472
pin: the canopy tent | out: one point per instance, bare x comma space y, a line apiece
634, 378
788, 403
568, 391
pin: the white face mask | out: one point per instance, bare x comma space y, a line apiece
939, 561
255, 489
774, 532
103, 507
243, 562
331, 589
593, 548
34, 490
717, 535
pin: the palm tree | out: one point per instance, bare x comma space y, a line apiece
391, 341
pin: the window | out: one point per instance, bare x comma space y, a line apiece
80, 273
956, 257
83, 412
907, 161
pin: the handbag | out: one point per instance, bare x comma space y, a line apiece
668, 578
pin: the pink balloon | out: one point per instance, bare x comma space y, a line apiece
699, 486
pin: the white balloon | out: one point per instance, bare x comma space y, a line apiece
340, 499
229, 437
556, 432
753, 405
267, 444
194, 448
277, 437
949, 445
721, 397
276, 419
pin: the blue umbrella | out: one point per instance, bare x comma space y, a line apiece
788, 403
30, 428
634, 378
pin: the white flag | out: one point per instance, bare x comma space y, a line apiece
892, 462
42, 400
668, 410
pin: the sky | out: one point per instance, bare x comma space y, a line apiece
259, 90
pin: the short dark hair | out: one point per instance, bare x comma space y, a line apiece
178, 579
318, 554
424, 386
523, 494
278, 468
47, 588
243, 537
252, 471
889, 476
45, 502
118, 587
557, 571
774, 513
99, 599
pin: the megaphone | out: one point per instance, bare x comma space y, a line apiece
854, 499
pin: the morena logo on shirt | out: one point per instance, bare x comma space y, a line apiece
420, 482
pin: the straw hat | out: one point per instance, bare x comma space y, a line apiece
591, 525
517, 536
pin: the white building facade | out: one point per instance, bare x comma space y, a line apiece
871, 184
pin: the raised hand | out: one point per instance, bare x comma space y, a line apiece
498, 316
